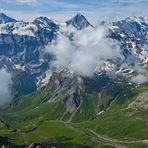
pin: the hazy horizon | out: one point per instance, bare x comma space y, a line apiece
95, 11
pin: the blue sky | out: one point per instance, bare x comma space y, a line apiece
94, 10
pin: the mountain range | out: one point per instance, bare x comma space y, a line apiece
56, 102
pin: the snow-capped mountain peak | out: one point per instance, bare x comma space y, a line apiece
78, 21
24, 42
45, 23
6, 19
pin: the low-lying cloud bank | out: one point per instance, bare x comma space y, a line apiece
5, 86
88, 50
141, 76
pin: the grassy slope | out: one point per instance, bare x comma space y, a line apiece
121, 123
31, 120
58, 133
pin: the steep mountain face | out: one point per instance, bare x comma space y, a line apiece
26, 40
5, 19
47, 29
79, 21
132, 33
23, 44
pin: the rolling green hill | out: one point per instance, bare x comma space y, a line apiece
83, 115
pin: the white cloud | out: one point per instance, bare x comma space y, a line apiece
5, 86
141, 75
23, 2
89, 50
140, 78
62, 10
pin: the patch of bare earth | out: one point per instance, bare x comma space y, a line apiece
140, 103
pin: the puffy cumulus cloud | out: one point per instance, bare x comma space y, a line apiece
5, 86
141, 73
87, 50
140, 79
141, 76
